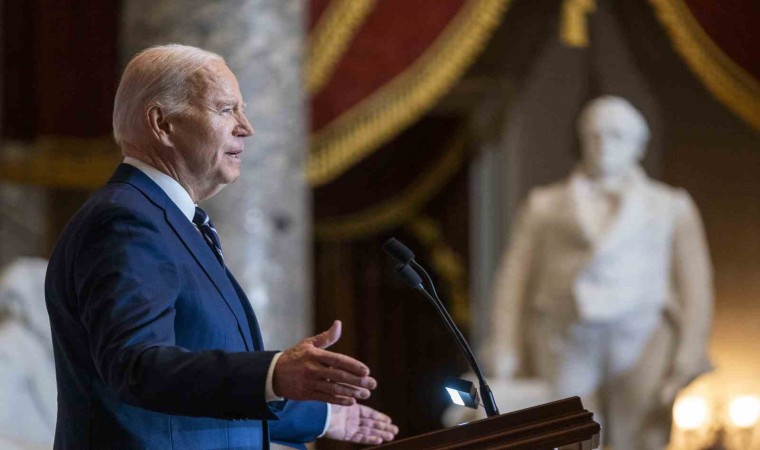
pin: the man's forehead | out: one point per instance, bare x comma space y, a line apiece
215, 79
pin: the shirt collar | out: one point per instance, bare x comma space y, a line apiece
170, 186
632, 177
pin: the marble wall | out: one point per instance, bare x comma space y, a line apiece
263, 218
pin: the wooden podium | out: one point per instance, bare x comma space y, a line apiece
562, 425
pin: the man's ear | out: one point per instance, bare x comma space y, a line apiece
159, 126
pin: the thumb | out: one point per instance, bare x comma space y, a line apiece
329, 337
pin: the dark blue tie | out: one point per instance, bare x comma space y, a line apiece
203, 222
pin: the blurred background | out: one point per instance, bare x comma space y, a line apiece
427, 120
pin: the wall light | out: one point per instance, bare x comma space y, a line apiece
691, 413
744, 411
712, 422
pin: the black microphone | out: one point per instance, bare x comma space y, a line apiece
398, 251
405, 269
410, 277
401, 253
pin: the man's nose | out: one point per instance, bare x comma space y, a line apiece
244, 128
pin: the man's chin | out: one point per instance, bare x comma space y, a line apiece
231, 175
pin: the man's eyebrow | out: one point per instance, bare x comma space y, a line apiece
229, 101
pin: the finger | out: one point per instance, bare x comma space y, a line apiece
342, 362
342, 390
363, 438
358, 390
342, 376
385, 430
368, 413
328, 337
384, 435
377, 425
378, 429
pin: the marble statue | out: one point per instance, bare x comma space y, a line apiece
27, 372
606, 289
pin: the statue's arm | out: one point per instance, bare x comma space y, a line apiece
511, 289
692, 272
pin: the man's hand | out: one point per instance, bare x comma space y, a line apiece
308, 372
360, 424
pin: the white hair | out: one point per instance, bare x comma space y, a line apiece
622, 109
158, 75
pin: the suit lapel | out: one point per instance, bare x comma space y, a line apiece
216, 273
574, 215
192, 240
252, 322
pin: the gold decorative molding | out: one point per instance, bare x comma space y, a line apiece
331, 37
447, 263
374, 121
395, 212
62, 162
574, 25
726, 80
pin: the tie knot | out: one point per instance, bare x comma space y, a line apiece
200, 218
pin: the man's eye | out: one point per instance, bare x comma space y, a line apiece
226, 110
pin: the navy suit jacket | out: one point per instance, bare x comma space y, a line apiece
156, 345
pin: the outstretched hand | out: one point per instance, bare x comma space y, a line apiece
360, 424
307, 371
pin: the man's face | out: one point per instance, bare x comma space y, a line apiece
610, 144
208, 136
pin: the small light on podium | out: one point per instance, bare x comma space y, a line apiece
462, 392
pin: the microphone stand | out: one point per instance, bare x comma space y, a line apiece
489, 403
411, 277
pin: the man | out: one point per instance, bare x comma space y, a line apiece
156, 345
606, 289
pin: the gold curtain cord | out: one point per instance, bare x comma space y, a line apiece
55, 161
395, 212
726, 80
374, 121
331, 37
447, 263
574, 26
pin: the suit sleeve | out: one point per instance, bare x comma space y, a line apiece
300, 422
126, 291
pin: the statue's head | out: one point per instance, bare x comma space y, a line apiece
613, 136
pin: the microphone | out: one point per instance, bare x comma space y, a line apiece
398, 251
409, 276
406, 270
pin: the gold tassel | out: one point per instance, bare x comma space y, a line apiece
574, 26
